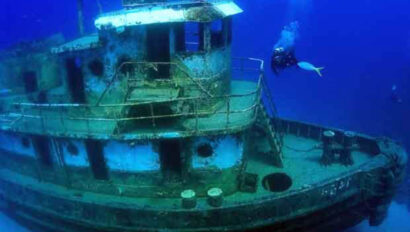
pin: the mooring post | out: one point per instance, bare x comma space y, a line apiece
346, 154
328, 156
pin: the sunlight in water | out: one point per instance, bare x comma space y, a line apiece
298, 9
12, 226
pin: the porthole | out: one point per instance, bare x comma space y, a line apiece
205, 150
72, 149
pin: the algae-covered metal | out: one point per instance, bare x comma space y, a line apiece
151, 125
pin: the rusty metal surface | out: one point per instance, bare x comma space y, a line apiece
102, 121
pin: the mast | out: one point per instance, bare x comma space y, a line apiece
100, 9
80, 6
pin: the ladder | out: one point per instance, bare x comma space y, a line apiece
271, 125
274, 136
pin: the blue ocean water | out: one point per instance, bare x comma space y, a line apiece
363, 45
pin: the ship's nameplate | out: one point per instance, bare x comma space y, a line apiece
167, 14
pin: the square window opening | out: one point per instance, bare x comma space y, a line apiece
193, 37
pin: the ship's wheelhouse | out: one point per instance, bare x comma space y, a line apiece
148, 98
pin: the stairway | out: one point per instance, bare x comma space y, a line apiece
274, 136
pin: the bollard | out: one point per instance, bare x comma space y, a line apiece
328, 156
215, 197
346, 154
188, 199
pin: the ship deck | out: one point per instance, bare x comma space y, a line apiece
302, 164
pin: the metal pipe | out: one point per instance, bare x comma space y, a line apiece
80, 6
100, 9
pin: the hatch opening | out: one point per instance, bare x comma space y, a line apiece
75, 79
170, 157
277, 182
30, 81
42, 148
96, 157
158, 49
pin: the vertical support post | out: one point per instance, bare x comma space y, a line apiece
196, 115
88, 121
258, 98
61, 161
287, 128
23, 116
60, 111
228, 110
152, 115
207, 37
43, 127
117, 119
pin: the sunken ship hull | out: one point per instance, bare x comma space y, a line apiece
265, 200
334, 202
151, 125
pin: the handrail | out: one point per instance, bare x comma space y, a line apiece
206, 113
70, 105
64, 117
198, 109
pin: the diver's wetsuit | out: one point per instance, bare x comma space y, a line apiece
282, 59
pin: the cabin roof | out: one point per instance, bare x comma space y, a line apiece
83, 43
202, 12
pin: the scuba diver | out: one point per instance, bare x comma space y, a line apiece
282, 59
283, 55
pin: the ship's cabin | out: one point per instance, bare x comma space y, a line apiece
154, 95
164, 66
153, 52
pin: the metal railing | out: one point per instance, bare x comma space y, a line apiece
267, 104
195, 117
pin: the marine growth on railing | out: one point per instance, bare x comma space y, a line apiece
163, 118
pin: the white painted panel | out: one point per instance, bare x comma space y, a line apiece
212, 64
124, 157
13, 143
78, 160
227, 153
158, 14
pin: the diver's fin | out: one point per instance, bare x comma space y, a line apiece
318, 71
